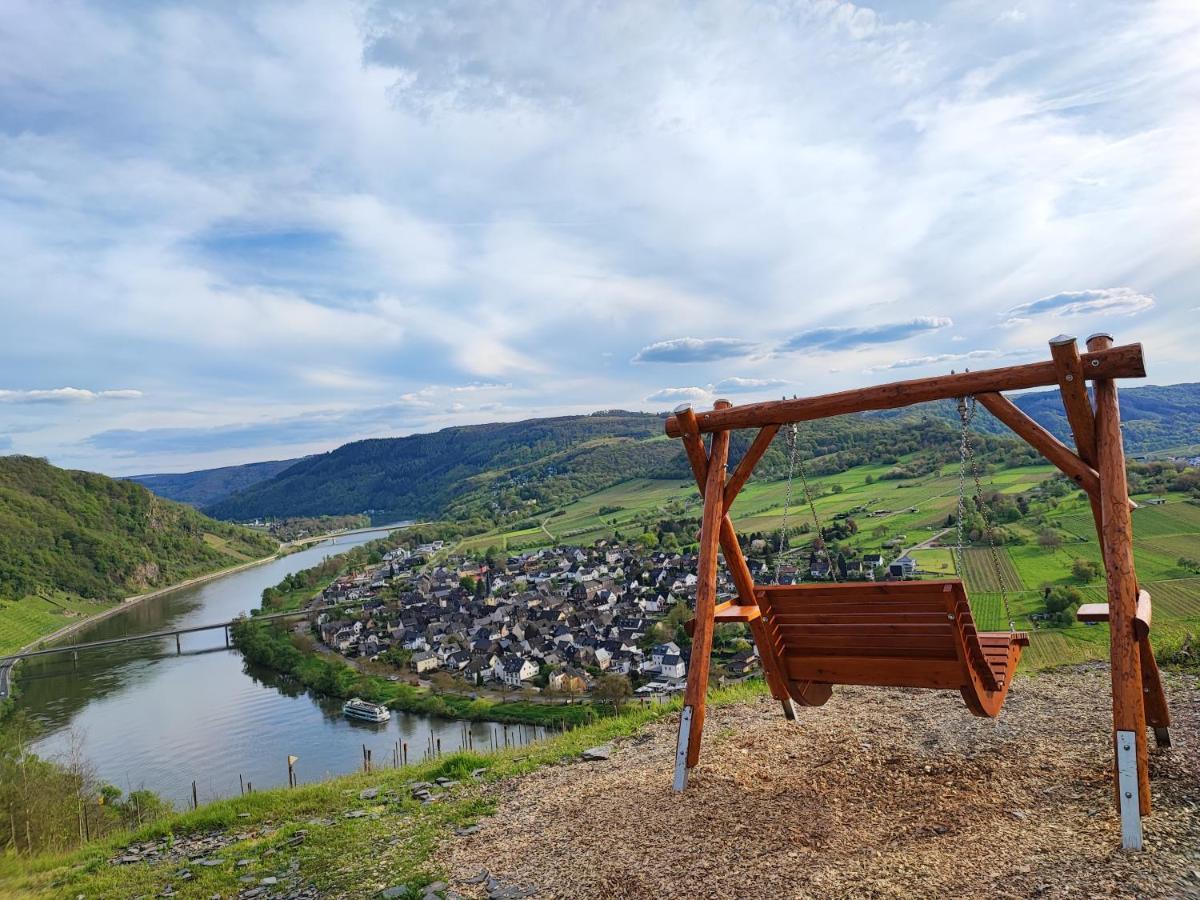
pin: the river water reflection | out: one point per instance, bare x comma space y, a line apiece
150, 718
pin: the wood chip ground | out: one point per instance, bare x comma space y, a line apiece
880, 793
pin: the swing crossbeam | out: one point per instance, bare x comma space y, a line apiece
921, 634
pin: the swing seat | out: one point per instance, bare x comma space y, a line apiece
917, 634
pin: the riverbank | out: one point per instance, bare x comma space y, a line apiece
275, 647
882, 792
7, 667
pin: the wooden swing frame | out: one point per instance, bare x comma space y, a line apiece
1097, 465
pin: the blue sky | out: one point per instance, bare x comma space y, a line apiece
232, 232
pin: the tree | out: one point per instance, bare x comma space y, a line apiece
467, 583
1085, 570
614, 690
1050, 539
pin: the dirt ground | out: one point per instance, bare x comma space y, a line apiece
880, 793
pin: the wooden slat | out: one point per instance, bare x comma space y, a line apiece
874, 628
882, 671
1116, 362
868, 588
809, 617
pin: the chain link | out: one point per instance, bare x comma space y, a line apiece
794, 464
967, 454
812, 508
787, 500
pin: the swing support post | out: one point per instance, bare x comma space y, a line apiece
779, 621
1116, 536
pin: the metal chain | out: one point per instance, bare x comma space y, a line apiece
812, 508
787, 500
967, 453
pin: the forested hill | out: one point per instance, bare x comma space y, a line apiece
208, 486
1153, 417
99, 538
504, 472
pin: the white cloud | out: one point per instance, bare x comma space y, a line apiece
287, 209
681, 395
1121, 301
693, 350
66, 395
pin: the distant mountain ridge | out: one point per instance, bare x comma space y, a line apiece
1153, 417
494, 471
518, 470
207, 486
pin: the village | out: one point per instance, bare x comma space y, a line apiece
551, 620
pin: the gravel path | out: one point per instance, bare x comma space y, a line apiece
880, 793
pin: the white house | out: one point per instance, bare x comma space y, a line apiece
673, 667
514, 669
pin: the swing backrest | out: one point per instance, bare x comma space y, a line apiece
902, 634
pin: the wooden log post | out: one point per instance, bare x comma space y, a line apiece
691, 723
1129, 713
735, 560
1072, 384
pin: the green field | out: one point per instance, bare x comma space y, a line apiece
910, 512
24, 621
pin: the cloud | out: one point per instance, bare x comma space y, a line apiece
1121, 301
308, 428
850, 338
681, 395
693, 350
6, 443
345, 202
66, 395
737, 385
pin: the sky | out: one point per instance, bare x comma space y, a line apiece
236, 231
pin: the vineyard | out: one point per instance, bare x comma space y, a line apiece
979, 571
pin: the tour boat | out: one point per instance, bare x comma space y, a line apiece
368, 712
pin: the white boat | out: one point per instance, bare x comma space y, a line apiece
368, 712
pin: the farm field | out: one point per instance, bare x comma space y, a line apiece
24, 621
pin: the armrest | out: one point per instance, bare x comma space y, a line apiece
1098, 612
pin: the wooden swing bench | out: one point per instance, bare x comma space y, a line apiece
922, 634
915, 634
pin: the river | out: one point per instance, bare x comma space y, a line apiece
146, 717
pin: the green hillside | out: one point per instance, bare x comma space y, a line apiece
208, 486
510, 472
71, 542
1153, 417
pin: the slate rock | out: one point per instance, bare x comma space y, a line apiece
597, 754
398, 891
369, 794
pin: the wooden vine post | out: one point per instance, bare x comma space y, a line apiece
811, 637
